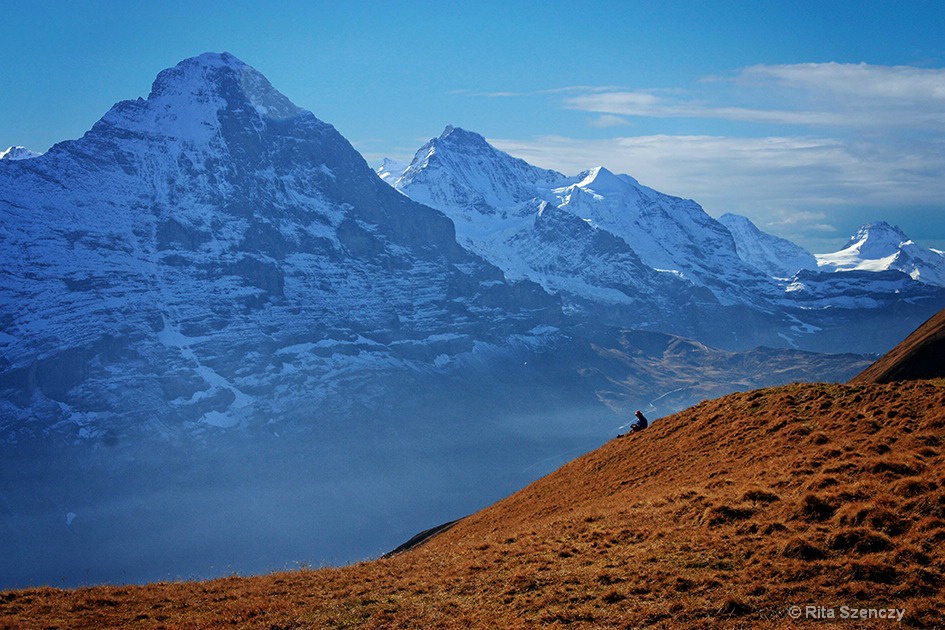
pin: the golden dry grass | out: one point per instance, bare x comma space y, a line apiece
720, 516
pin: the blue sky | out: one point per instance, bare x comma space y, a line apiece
809, 117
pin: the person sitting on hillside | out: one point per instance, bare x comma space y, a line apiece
639, 425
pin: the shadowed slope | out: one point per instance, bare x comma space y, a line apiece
920, 355
722, 515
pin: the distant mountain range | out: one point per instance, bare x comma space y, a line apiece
620, 252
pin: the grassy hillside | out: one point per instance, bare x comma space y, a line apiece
722, 515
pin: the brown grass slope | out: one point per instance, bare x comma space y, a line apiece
719, 516
920, 355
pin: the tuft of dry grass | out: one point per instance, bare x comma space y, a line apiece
720, 516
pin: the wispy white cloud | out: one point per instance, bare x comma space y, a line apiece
812, 94
580, 88
646, 104
797, 224
803, 218
898, 84
605, 121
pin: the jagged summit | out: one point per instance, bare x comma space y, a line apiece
460, 168
204, 108
455, 142
879, 247
221, 75
878, 231
870, 242
603, 182
18, 153
457, 136
192, 100
390, 170
877, 240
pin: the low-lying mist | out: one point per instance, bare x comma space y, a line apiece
249, 502
346, 480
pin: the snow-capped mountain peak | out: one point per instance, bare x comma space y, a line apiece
458, 137
879, 247
460, 168
602, 182
222, 75
18, 153
873, 247
391, 170
494, 199
190, 104
877, 240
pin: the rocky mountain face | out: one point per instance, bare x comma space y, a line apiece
777, 257
219, 236
226, 344
620, 252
